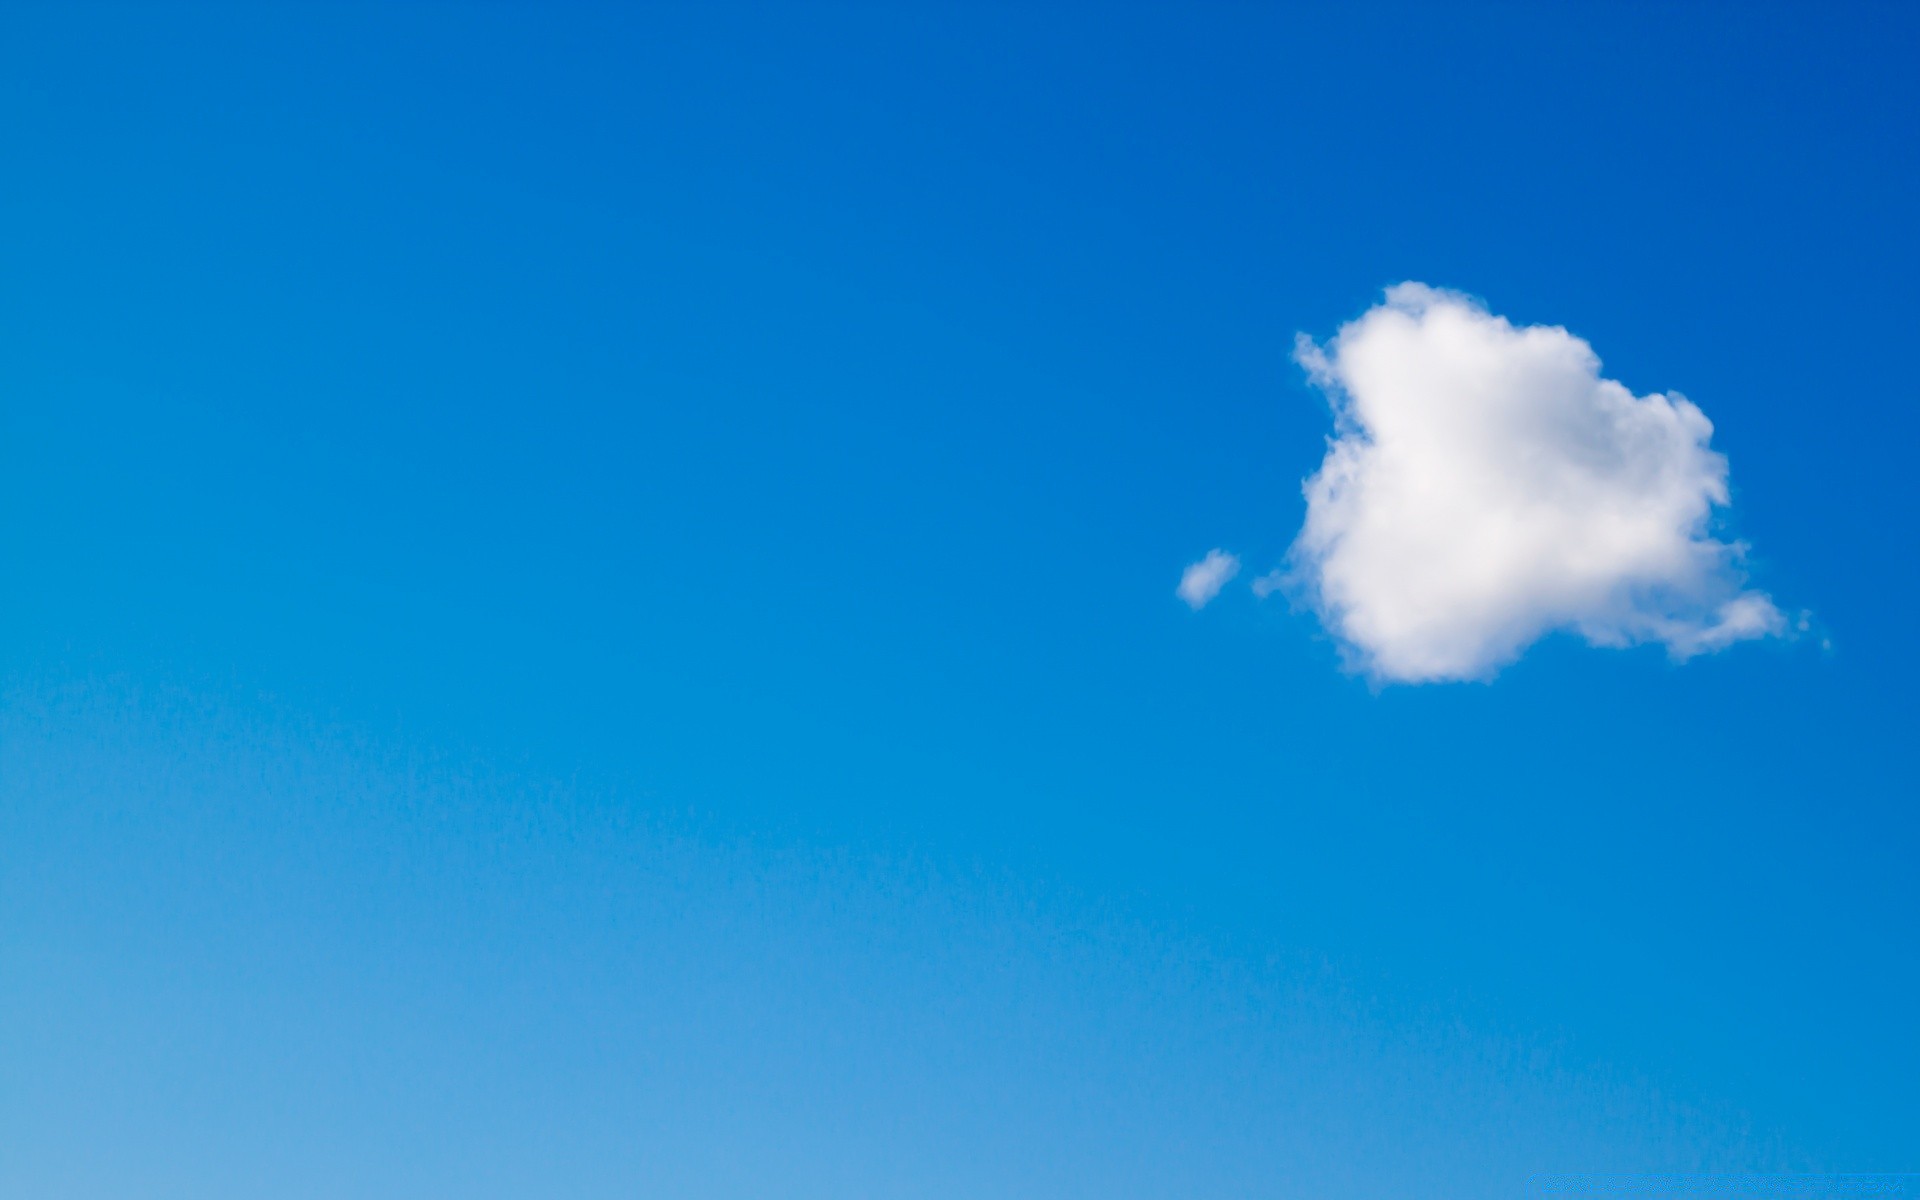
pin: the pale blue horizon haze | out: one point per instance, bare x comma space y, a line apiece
588, 605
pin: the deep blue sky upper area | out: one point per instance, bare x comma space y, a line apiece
586, 605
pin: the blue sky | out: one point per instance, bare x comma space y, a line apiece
587, 606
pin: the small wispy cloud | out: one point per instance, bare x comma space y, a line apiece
1202, 581
1487, 486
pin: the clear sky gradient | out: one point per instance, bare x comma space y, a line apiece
587, 606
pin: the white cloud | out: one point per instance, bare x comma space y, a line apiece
1203, 580
1487, 486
